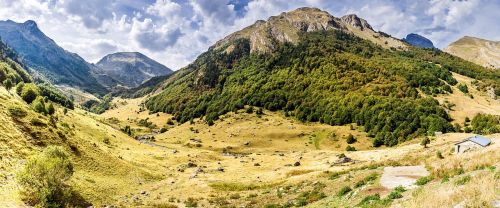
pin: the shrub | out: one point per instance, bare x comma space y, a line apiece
369, 199
344, 190
350, 139
463, 88
43, 178
423, 180
19, 87
30, 92
400, 189
50, 109
439, 155
37, 122
350, 148
425, 141
463, 180
17, 112
39, 105
486, 124
7, 84
191, 202
170, 122
395, 195
249, 110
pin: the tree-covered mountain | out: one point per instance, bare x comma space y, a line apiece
418, 41
48, 60
316, 68
131, 68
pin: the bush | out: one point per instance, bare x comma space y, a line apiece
17, 112
29, 92
423, 180
344, 190
19, 87
463, 88
39, 105
425, 141
350, 139
50, 109
350, 148
43, 178
7, 84
463, 180
395, 195
486, 124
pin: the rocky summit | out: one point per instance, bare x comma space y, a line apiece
418, 41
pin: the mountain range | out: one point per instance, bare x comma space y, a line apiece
48, 61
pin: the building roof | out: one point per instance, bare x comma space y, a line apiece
478, 139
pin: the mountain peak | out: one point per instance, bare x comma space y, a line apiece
286, 27
131, 68
418, 41
30, 23
356, 22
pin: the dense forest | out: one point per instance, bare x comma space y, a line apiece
330, 77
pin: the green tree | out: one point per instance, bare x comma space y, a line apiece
39, 105
7, 84
425, 141
29, 92
19, 87
50, 109
43, 178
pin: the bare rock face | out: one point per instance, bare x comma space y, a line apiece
263, 35
356, 22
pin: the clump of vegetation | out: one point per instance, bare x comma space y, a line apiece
463, 88
366, 180
191, 202
146, 123
29, 92
17, 112
423, 180
463, 180
350, 148
344, 190
127, 130
350, 139
425, 141
98, 107
43, 178
486, 124
309, 197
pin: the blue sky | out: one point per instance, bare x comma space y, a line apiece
175, 32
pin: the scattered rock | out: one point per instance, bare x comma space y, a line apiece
191, 165
143, 192
247, 143
221, 169
296, 163
256, 164
175, 151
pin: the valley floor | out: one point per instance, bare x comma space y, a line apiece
244, 160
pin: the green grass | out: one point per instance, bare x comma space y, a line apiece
235, 186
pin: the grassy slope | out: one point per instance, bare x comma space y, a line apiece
101, 176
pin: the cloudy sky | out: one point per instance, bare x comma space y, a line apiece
175, 32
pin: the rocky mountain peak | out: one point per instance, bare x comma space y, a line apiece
418, 41
356, 22
286, 27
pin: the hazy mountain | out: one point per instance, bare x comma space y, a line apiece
316, 67
47, 59
477, 50
418, 41
131, 68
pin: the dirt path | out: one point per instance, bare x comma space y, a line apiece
402, 176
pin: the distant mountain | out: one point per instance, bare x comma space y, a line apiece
48, 60
131, 68
476, 50
418, 41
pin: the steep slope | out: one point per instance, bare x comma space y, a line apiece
418, 41
480, 51
320, 72
47, 59
131, 68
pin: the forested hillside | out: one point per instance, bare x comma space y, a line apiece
330, 77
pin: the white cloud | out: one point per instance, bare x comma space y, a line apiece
174, 32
